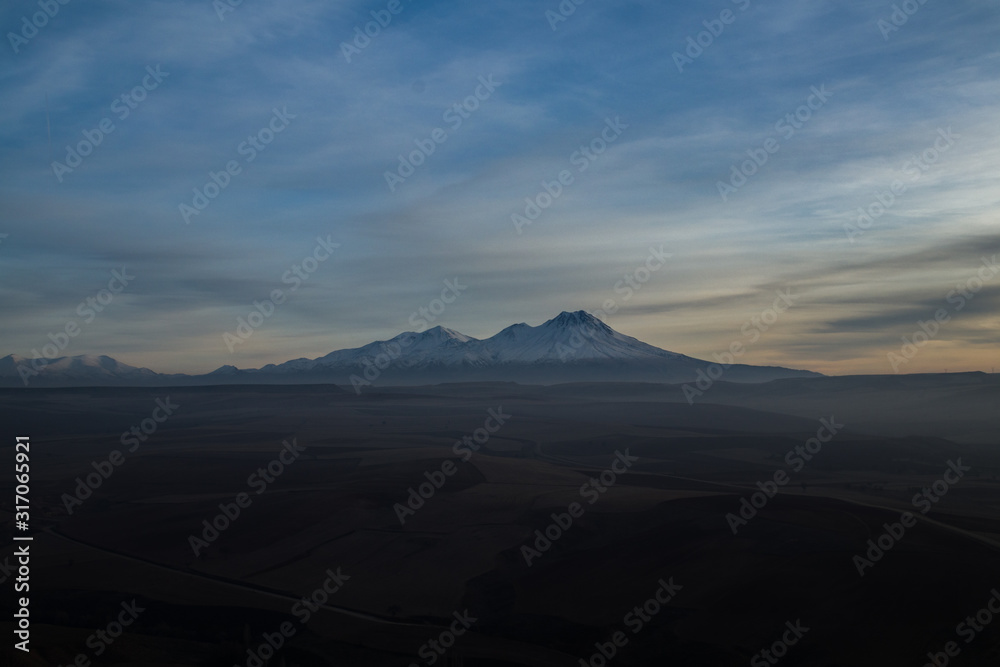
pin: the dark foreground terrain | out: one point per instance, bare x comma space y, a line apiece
499, 524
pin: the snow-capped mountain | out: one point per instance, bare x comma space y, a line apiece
80, 370
568, 338
568, 348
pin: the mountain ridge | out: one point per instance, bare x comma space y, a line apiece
571, 347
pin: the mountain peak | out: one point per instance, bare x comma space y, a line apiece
514, 329
446, 333
577, 319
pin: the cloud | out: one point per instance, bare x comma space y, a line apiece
656, 184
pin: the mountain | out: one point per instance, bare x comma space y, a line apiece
83, 370
572, 347
570, 338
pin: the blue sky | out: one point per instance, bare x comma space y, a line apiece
890, 97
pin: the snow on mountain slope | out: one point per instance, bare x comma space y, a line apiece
570, 347
567, 338
439, 345
82, 367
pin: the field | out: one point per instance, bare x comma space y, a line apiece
501, 524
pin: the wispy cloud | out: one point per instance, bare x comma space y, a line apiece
657, 184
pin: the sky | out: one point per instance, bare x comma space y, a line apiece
537, 156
